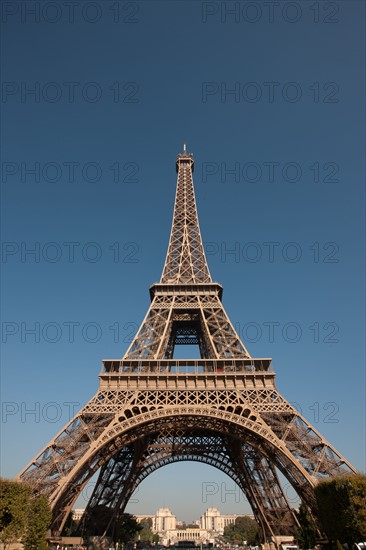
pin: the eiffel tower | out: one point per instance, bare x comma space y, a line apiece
150, 410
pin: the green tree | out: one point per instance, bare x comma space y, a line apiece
14, 503
244, 529
127, 528
146, 523
307, 532
146, 533
22, 515
39, 519
341, 505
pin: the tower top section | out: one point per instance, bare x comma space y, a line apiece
185, 262
184, 159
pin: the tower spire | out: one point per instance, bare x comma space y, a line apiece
185, 261
186, 305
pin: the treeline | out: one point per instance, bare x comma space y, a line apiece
341, 513
341, 509
340, 516
243, 531
23, 517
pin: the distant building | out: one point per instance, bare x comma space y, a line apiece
162, 521
209, 526
141, 517
212, 520
180, 523
77, 514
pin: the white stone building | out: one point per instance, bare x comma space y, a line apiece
164, 521
212, 520
210, 525
77, 513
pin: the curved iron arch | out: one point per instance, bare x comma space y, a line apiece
224, 422
116, 497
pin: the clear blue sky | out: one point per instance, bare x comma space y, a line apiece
116, 95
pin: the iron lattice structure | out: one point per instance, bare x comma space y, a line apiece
151, 410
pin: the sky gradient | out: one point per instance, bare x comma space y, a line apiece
97, 100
